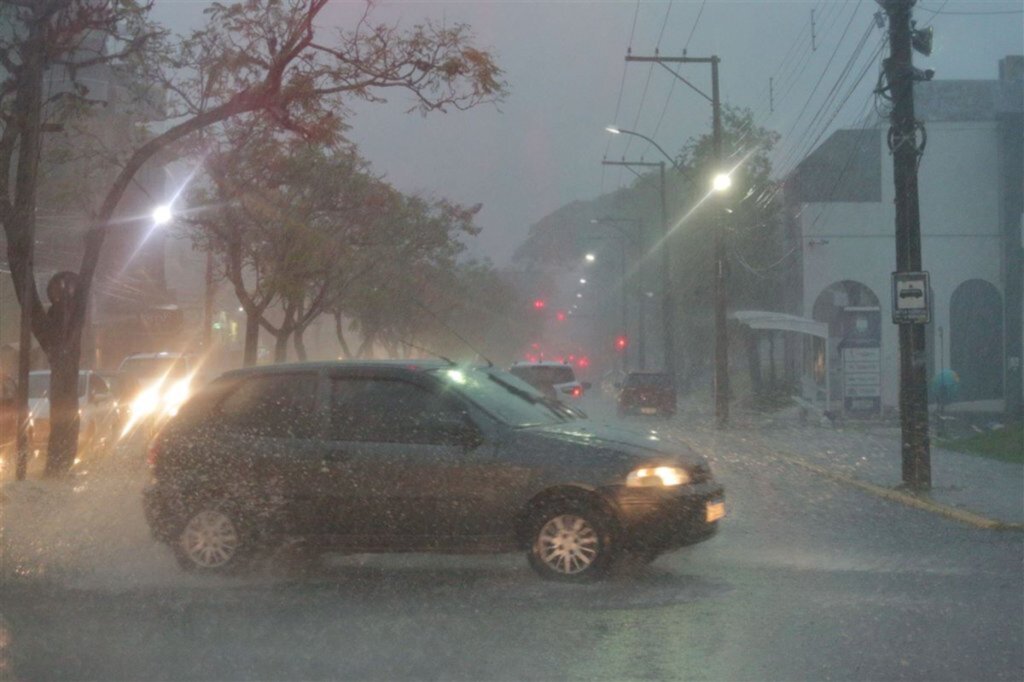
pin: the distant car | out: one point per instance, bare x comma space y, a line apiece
556, 380
9, 418
647, 393
416, 457
155, 385
97, 408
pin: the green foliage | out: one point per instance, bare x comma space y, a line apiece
1005, 444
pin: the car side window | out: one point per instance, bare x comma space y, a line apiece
273, 406
99, 386
390, 411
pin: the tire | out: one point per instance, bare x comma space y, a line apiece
571, 541
214, 540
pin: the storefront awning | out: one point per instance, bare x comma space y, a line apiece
762, 319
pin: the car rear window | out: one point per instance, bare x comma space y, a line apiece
648, 380
545, 375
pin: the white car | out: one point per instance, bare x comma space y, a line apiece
97, 408
554, 379
156, 385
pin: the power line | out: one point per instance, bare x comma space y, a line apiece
972, 13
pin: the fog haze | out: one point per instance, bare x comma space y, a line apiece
564, 62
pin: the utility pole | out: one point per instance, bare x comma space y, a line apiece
900, 76
667, 309
721, 352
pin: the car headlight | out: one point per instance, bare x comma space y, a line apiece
658, 477
146, 402
176, 396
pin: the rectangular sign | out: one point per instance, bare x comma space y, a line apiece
853, 366
910, 298
863, 391
868, 379
857, 354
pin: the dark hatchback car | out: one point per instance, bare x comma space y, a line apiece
647, 393
416, 457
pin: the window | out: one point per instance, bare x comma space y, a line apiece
390, 411
99, 386
273, 406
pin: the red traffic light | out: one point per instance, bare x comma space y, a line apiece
621, 342
538, 303
560, 316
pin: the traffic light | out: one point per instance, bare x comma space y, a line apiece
539, 303
560, 316
621, 342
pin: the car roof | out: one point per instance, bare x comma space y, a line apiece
545, 363
417, 365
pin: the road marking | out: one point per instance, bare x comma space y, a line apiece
906, 498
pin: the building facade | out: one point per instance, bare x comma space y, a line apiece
971, 181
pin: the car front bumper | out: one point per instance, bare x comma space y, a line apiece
660, 519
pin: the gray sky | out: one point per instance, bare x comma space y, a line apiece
565, 64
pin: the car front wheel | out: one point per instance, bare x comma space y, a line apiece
212, 541
571, 542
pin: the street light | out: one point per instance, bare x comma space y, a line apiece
162, 215
590, 258
722, 182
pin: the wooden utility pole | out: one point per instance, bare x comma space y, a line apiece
900, 76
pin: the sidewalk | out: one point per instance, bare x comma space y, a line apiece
868, 455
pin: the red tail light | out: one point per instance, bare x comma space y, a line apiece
155, 447
577, 391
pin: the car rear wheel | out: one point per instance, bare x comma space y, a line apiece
571, 542
213, 540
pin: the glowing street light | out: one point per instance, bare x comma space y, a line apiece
590, 258
162, 214
583, 280
721, 182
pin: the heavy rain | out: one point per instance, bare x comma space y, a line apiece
511, 341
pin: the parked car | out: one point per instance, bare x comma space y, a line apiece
97, 408
416, 457
554, 379
647, 393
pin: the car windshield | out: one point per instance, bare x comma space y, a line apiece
39, 385
149, 368
503, 396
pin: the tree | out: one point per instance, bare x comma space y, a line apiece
267, 58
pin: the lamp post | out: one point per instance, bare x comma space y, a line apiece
667, 308
634, 240
721, 183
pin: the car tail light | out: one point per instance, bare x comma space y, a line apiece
155, 450
577, 391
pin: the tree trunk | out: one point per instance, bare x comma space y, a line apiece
281, 346
365, 347
64, 422
300, 345
339, 331
252, 339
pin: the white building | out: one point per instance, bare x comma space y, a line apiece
971, 180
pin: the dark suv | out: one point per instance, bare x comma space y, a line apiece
647, 393
379, 457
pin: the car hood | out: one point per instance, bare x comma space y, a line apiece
611, 443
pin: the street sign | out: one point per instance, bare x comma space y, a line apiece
910, 298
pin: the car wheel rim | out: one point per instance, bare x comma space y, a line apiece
210, 539
568, 544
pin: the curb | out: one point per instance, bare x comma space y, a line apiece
917, 501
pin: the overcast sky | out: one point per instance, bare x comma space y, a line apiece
564, 61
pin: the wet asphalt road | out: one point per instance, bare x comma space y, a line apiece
807, 580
